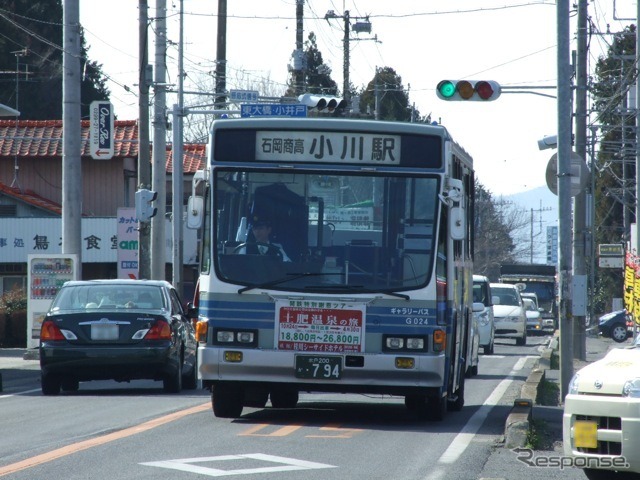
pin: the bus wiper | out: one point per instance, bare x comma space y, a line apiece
288, 278
357, 288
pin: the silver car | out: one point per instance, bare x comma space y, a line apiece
483, 312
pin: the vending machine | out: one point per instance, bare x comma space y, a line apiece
46, 274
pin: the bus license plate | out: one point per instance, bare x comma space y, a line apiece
319, 367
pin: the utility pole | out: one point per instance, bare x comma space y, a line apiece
71, 132
580, 237
221, 56
564, 195
298, 54
364, 26
177, 174
144, 162
533, 210
159, 170
345, 60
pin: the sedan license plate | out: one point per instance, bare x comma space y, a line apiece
319, 367
104, 331
585, 434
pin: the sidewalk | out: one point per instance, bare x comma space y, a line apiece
17, 358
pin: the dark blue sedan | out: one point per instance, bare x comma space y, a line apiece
615, 325
119, 330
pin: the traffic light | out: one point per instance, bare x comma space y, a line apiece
144, 209
320, 102
469, 90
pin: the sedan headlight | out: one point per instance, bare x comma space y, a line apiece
574, 384
631, 388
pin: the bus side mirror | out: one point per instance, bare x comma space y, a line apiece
195, 212
457, 223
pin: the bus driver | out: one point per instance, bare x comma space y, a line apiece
261, 230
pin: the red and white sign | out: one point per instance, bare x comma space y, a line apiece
325, 326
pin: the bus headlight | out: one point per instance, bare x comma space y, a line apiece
395, 343
244, 338
224, 336
404, 343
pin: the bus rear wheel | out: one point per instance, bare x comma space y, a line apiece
226, 401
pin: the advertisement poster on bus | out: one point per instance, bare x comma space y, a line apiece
320, 326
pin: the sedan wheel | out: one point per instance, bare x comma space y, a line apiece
50, 384
173, 382
619, 332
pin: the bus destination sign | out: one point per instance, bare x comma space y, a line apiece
330, 147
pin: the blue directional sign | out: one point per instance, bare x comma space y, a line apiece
273, 110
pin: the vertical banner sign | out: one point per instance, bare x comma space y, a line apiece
127, 243
101, 130
632, 286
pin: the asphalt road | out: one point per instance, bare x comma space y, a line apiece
135, 431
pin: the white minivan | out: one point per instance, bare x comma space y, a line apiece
483, 312
508, 312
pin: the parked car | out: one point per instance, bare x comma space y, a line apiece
534, 316
508, 312
616, 325
601, 421
119, 330
484, 314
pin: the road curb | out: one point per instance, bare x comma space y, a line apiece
518, 423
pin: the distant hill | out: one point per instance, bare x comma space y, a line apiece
545, 213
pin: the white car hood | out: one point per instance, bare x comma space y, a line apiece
505, 310
608, 375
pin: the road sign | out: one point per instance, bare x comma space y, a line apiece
579, 174
611, 250
101, 130
273, 110
239, 96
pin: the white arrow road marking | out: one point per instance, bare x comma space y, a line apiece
286, 465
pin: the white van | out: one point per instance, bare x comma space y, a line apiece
483, 312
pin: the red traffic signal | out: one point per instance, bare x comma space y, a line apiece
470, 90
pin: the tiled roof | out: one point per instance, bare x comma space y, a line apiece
43, 138
31, 198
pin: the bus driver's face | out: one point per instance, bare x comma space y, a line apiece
262, 233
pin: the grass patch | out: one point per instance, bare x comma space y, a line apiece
548, 393
538, 437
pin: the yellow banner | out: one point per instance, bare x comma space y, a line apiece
632, 286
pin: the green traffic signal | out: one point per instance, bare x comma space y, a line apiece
468, 90
446, 89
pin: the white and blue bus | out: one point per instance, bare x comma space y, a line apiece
364, 284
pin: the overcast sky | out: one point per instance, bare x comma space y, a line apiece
513, 43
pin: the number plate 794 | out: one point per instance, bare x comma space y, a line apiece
318, 367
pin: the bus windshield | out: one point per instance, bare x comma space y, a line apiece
313, 231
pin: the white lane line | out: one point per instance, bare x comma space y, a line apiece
464, 438
19, 393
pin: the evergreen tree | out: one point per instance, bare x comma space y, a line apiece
393, 100
31, 61
493, 235
317, 75
614, 75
